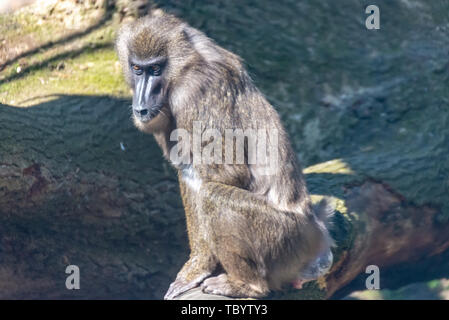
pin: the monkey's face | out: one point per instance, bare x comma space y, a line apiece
153, 52
148, 87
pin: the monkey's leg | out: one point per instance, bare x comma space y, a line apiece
245, 273
244, 232
201, 263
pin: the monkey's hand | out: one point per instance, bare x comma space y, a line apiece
194, 271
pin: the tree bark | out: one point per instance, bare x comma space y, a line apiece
80, 185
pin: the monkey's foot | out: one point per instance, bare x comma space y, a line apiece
297, 284
222, 285
180, 286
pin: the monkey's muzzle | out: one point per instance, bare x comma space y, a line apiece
145, 114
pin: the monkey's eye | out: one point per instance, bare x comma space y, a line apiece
137, 70
155, 70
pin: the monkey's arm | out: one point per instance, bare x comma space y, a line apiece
201, 262
222, 195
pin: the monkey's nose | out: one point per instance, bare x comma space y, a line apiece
143, 112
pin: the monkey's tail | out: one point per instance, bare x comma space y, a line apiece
325, 212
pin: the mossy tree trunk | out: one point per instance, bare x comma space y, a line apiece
79, 185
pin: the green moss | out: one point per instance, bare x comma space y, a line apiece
434, 284
94, 72
91, 69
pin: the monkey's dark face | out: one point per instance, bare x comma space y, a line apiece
148, 86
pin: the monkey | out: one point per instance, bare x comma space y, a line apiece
249, 232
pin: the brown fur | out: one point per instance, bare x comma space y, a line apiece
260, 230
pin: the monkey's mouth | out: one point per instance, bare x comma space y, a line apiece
147, 114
